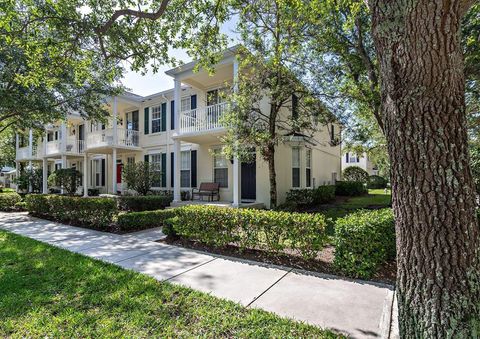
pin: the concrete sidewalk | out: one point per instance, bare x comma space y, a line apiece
357, 308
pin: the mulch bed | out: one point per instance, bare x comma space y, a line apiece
323, 263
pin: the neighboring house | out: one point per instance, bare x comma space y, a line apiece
180, 130
7, 176
352, 159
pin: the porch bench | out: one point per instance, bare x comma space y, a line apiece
207, 189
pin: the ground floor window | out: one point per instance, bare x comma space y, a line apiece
295, 167
185, 169
130, 160
96, 178
220, 168
156, 161
308, 168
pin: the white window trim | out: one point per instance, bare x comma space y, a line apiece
189, 169
189, 97
150, 127
150, 159
299, 168
219, 150
308, 166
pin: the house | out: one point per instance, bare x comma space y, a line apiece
180, 129
362, 161
7, 177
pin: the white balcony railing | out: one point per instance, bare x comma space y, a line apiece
23, 153
102, 138
75, 146
53, 147
202, 119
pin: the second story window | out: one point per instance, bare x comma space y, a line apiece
156, 119
186, 104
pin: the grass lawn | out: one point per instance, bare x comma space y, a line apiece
375, 197
49, 292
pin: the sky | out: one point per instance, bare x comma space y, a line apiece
152, 83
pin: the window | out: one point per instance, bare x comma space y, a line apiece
216, 96
308, 168
185, 104
185, 166
156, 118
156, 160
352, 158
332, 135
130, 160
132, 120
220, 168
295, 167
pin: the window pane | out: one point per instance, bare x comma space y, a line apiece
185, 104
295, 177
308, 179
185, 160
308, 158
156, 160
295, 157
185, 178
221, 176
220, 160
156, 119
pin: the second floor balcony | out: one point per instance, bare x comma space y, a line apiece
24, 153
126, 138
72, 146
202, 119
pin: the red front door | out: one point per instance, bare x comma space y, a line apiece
119, 173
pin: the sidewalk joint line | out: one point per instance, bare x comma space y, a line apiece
190, 269
276, 282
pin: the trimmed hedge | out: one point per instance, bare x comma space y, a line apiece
144, 220
363, 241
9, 200
350, 188
143, 203
273, 231
309, 197
376, 182
97, 213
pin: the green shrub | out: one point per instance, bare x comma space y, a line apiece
144, 220
67, 178
20, 206
355, 173
350, 188
273, 231
310, 197
141, 176
376, 182
97, 213
8, 201
363, 241
143, 203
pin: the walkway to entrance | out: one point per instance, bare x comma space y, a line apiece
357, 308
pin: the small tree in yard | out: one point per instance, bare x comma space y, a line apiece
30, 178
273, 37
355, 173
68, 179
141, 176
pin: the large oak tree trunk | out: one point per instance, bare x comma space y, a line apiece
423, 107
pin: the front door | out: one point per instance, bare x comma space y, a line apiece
249, 182
119, 173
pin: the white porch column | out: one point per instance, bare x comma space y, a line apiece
17, 170
64, 165
45, 176
63, 140
30, 143
177, 96
176, 171
114, 171
114, 122
85, 175
17, 143
235, 75
237, 194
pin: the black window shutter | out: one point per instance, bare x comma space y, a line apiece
346, 157
172, 157
164, 169
164, 117
172, 114
294, 106
145, 158
103, 172
147, 118
193, 101
193, 155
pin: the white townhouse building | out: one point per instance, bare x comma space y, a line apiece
180, 130
362, 161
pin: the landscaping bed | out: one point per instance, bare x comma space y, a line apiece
51, 292
322, 263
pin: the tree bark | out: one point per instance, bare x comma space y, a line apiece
272, 176
423, 112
